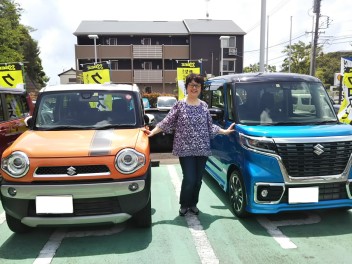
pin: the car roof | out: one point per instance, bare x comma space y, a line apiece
166, 97
91, 87
11, 90
263, 77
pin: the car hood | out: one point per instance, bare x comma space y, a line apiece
74, 143
296, 131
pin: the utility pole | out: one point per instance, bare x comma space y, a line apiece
262, 36
316, 10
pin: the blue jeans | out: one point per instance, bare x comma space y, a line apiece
193, 168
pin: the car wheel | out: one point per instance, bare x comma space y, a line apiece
15, 225
237, 194
143, 218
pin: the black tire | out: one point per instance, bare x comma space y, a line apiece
143, 218
237, 194
15, 225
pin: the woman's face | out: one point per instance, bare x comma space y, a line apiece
193, 89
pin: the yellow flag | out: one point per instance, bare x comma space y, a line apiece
98, 73
183, 69
345, 113
11, 76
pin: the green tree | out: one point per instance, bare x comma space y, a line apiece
299, 60
10, 37
328, 64
255, 68
16, 44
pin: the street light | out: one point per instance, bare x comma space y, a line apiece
224, 40
95, 37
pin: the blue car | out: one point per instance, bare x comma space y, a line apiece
288, 152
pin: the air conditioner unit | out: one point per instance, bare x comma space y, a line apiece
232, 51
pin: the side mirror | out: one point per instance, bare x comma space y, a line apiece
148, 119
28, 121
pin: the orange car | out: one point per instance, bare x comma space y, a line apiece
84, 160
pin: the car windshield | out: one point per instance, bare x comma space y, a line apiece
84, 110
283, 103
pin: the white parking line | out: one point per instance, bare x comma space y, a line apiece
2, 217
202, 244
274, 231
204, 249
47, 253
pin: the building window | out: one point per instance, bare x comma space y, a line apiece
148, 89
232, 42
229, 65
111, 41
72, 80
147, 65
114, 65
229, 42
146, 41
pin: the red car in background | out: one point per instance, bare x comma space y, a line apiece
15, 106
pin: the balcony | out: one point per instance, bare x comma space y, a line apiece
176, 52
148, 76
147, 52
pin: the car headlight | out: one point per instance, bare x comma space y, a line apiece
16, 165
261, 144
129, 160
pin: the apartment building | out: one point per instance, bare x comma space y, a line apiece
147, 52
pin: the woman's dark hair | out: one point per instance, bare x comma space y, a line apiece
195, 77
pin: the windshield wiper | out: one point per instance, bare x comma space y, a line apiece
112, 126
288, 123
62, 128
332, 121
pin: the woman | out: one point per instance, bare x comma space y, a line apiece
191, 121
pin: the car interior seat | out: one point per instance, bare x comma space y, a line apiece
121, 112
267, 103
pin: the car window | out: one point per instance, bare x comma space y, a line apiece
2, 114
86, 109
16, 106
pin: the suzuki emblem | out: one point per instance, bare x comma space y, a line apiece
71, 171
318, 149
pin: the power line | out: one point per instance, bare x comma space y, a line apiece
279, 44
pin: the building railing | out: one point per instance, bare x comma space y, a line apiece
147, 51
148, 76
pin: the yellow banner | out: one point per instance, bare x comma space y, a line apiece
98, 73
183, 69
345, 113
11, 76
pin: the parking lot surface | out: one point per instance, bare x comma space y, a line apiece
214, 236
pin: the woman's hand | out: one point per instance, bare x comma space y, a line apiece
229, 130
151, 133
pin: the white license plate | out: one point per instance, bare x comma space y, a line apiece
54, 204
303, 195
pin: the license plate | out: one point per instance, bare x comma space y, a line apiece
303, 195
54, 204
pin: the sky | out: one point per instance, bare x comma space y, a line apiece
55, 21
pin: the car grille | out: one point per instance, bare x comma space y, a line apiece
301, 161
327, 191
63, 170
85, 207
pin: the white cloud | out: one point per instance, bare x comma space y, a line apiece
57, 20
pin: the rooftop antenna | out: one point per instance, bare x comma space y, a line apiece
207, 12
